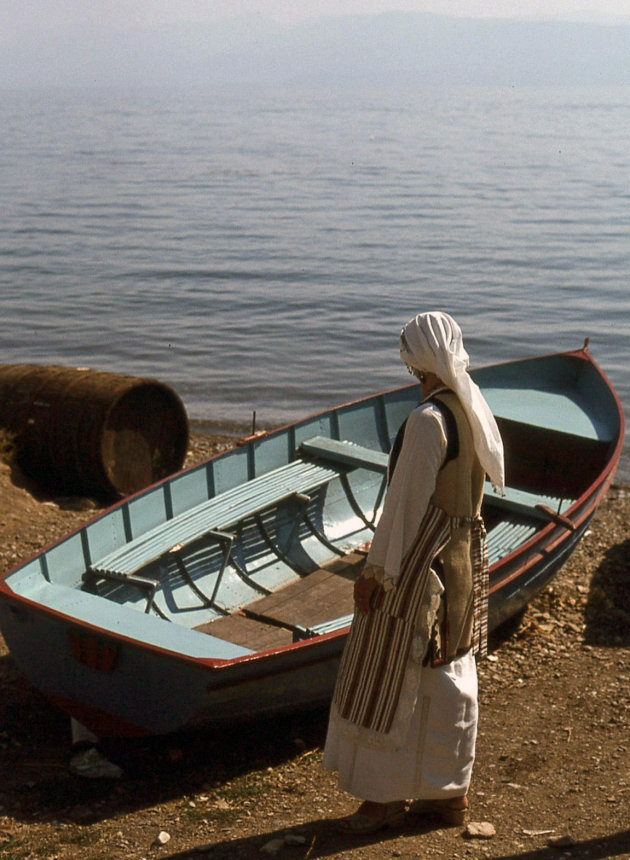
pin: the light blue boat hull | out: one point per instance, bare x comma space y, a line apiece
120, 647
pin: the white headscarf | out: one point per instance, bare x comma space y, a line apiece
432, 342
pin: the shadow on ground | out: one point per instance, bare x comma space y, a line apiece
35, 748
320, 840
316, 838
608, 608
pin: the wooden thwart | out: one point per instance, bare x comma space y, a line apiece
295, 479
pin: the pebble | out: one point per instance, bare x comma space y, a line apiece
163, 837
480, 830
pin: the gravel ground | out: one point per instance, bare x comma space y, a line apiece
552, 776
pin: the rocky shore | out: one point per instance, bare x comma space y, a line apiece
552, 777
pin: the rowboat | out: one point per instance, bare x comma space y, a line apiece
225, 591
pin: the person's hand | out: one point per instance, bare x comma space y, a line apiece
364, 588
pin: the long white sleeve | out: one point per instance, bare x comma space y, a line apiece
410, 490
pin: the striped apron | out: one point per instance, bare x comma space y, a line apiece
373, 663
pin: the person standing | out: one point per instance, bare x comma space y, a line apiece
403, 719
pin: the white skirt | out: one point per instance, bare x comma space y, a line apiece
436, 758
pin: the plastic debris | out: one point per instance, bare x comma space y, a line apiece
91, 764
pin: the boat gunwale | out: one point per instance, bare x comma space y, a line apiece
592, 496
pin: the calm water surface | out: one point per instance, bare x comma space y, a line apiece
260, 251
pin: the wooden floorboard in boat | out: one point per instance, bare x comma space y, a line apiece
248, 633
323, 595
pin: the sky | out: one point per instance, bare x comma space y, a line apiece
20, 17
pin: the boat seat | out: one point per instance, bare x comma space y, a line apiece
358, 456
294, 480
350, 454
507, 536
524, 502
345, 453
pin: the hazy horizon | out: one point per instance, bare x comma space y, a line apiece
380, 48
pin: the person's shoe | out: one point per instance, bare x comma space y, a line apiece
92, 764
451, 810
371, 817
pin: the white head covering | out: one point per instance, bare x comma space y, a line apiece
432, 342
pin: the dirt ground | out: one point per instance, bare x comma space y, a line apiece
552, 775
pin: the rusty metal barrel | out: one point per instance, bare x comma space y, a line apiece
89, 432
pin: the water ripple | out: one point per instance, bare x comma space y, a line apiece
263, 253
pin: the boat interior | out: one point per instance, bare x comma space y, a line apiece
259, 547
274, 562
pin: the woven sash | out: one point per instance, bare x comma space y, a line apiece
374, 659
481, 584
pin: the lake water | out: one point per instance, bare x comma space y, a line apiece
260, 251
